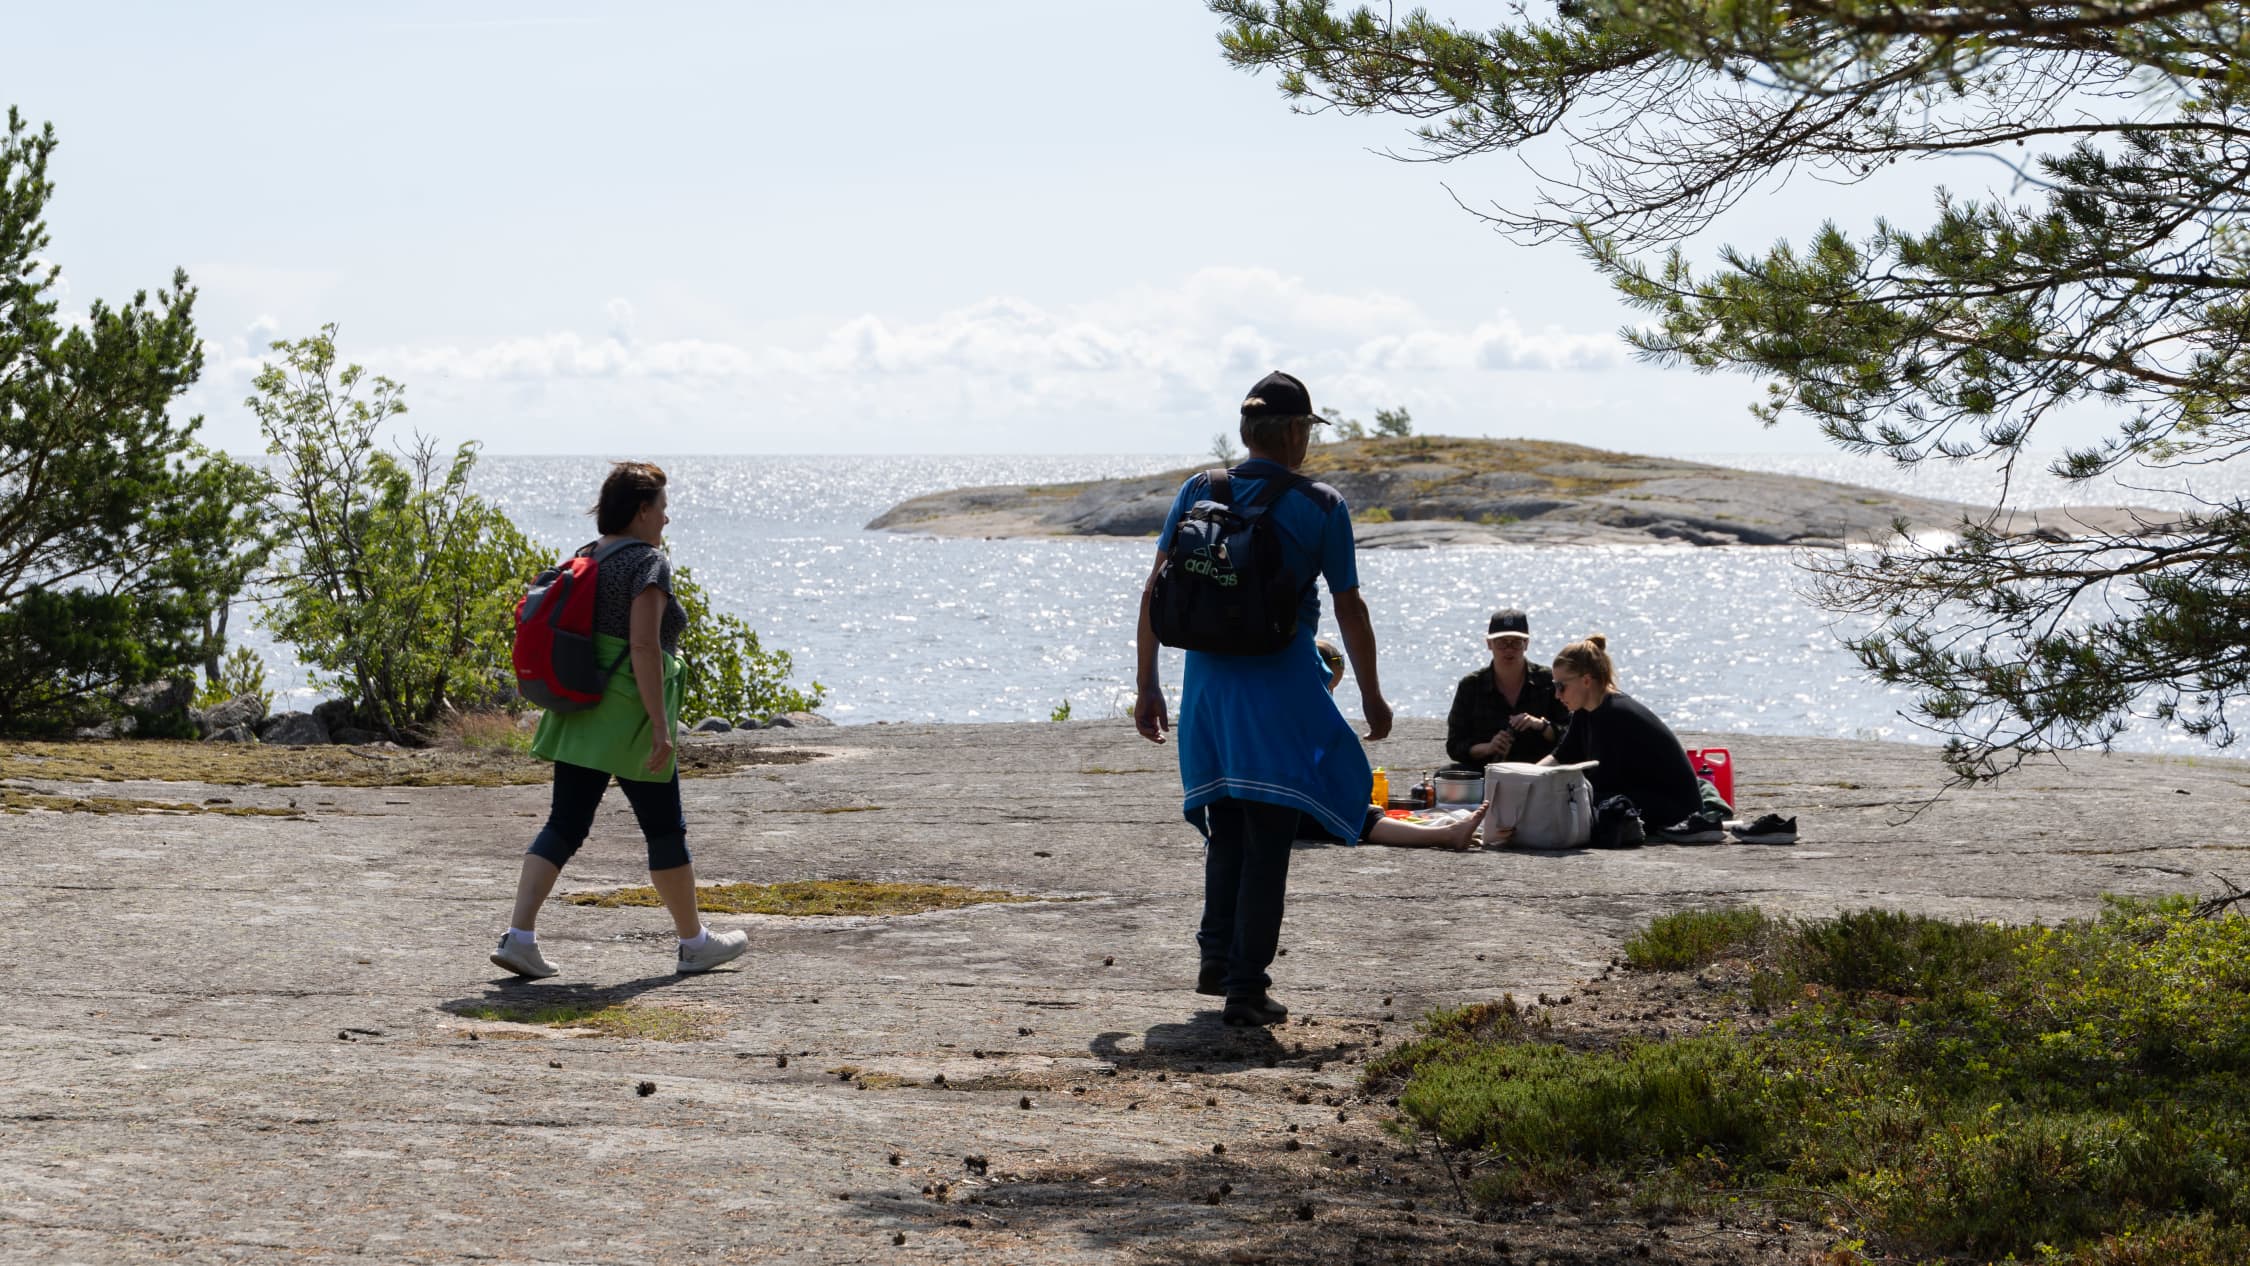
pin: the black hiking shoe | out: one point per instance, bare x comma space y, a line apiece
1211, 978
1769, 829
1253, 1010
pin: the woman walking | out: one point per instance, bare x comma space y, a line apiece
628, 735
1261, 741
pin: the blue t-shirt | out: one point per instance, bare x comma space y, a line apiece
1316, 529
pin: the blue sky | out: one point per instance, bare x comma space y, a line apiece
999, 226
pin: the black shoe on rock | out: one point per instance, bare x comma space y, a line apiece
1211, 978
1253, 1010
1772, 828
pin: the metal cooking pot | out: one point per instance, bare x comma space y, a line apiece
1459, 789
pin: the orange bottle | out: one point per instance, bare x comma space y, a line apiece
1381, 796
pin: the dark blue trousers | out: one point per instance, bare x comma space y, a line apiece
1245, 876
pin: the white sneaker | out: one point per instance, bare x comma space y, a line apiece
718, 947
522, 957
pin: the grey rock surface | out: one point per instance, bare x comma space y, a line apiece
293, 729
804, 719
288, 1065
239, 733
713, 725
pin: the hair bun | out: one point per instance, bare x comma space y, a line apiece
1598, 640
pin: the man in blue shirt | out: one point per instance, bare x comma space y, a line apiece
1261, 741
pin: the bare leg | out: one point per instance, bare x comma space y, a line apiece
532, 886
677, 887
1452, 835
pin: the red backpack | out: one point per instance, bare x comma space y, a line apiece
556, 667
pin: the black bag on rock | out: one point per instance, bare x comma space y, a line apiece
1617, 824
1223, 587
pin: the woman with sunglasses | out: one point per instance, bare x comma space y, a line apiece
1641, 759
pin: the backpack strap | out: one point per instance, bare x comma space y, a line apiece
1220, 484
602, 554
1276, 486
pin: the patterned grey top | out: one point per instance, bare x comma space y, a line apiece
623, 575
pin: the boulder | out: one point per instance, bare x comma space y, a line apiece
713, 725
114, 728
353, 736
798, 719
293, 729
245, 710
333, 714
232, 734
749, 723
159, 697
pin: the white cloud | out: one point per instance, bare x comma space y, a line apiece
1149, 367
1213, 326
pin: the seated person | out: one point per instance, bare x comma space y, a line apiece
1379, 828
1641, 759
1507, 711
1331, 661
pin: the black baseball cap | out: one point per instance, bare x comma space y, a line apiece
1279, 394
1508, 620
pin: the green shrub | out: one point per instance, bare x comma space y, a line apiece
1373, 514
2068, 1093
1889, 952
1692, 938
396, 583
242, 673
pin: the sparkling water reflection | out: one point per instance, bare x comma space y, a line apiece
910, 628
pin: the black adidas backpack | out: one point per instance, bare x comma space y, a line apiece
1223, 588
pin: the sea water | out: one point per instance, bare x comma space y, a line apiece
905, 627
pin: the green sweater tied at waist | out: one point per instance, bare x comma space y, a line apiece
613, 735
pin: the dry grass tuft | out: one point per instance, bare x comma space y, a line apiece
649, 1023
812, 898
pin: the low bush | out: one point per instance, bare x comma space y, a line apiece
243, 672
1693, 938
2066, 1093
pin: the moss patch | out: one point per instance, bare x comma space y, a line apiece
245, 764
649, 1023
812, 898
14, 800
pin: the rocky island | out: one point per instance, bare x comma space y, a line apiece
1445, 490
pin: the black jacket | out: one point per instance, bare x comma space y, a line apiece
1479, 712
1640, 758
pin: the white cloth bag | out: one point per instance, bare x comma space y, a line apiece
1549, 806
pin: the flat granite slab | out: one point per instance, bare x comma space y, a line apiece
229, 1038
